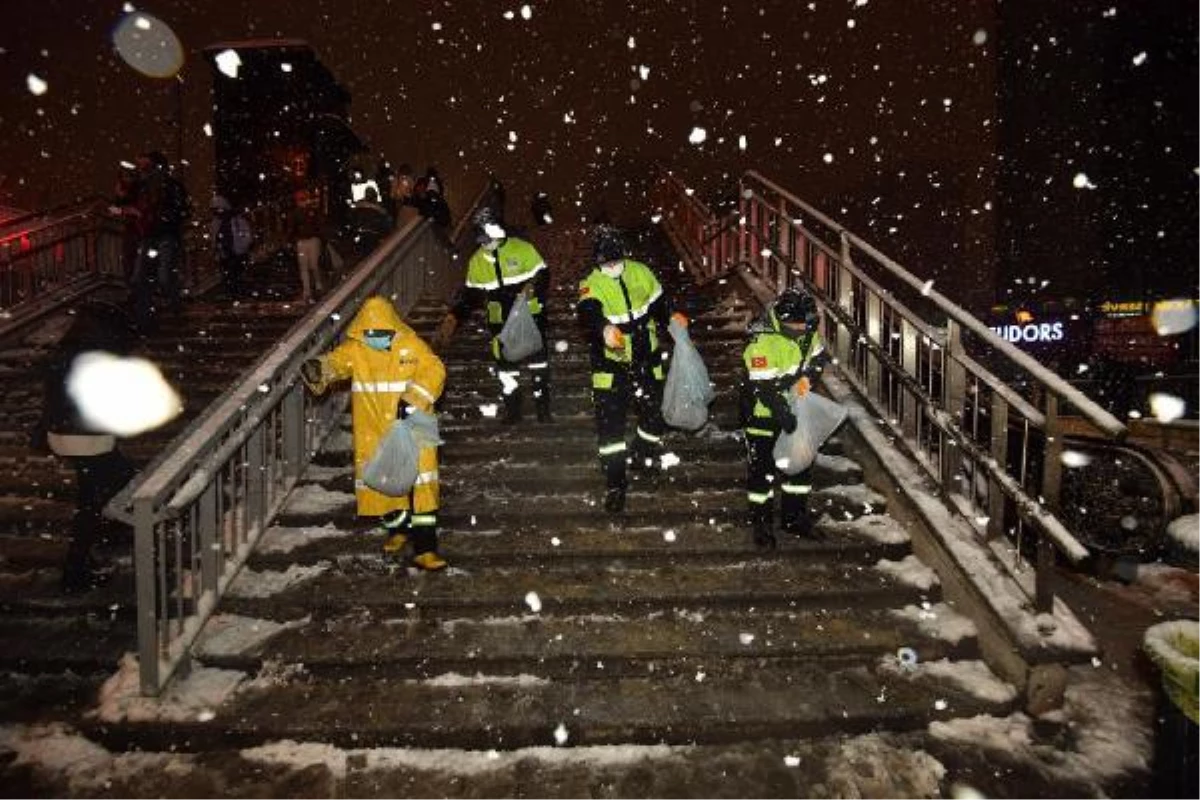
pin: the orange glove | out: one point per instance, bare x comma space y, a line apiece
681, 318
803, 386
614, 338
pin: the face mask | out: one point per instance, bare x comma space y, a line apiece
613, 269
378, 341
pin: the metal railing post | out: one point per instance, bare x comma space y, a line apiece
954, 380
999, 451
147, 578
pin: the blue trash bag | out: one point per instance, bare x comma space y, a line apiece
817, 417
688, 391
520, 337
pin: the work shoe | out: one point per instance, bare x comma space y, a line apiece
614, 500
429, 562
395, 543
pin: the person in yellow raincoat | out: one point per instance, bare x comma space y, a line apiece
391, 371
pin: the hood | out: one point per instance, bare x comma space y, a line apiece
377, 313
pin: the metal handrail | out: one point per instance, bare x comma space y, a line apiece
200, 507
993, 450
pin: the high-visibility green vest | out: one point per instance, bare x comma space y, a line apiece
514, 261
772, 357
625, 302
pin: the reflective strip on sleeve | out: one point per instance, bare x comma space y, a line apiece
649, 437
759, 432
791, 488
610, 449
379, 386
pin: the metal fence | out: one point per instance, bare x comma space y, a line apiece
200, 507
993, 445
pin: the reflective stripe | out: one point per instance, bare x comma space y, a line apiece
426, 477
637, 313
424, 520
657, 372
379, 386
649, 437
789, 488
538, 365
758, 498
602, 380
758, 432
509, 280
423, 391
609, 449
396, 522
768, 374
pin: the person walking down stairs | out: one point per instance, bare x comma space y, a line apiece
785, 355
503, 268
391, 371
625, 313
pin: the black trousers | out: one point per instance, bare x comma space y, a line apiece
764, 481
98, 479
638, 386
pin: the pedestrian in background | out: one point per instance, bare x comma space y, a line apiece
307, 226
101, 469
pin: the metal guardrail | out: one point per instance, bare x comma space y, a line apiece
994, 446
50, 259
199, 508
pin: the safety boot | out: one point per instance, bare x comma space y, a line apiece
429, 562
395, 543
512, 408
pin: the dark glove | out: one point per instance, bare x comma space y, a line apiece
310, 370
787, 421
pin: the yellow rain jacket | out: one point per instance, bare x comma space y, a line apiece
408, 372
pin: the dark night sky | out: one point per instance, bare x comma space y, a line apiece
882, 113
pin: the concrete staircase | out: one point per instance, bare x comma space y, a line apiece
566, 652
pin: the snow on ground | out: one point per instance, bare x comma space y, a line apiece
910, 571
974, 677
233, 635
1186, 531
871, 766
456, 679
939, 620
188, 699
250, 583
1111, 727
312, 498
881, 528
277, 539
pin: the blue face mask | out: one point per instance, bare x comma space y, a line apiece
377, 341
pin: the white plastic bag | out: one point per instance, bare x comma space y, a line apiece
393, 467
688, 391
817, 418
520, 337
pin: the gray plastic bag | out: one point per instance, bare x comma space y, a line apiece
520, 337
393, 468
688, 391
817, 418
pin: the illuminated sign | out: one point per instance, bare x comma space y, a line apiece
1031, 332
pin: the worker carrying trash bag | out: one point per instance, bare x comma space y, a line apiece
625, 314
785, 355
391, 372
501, 271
